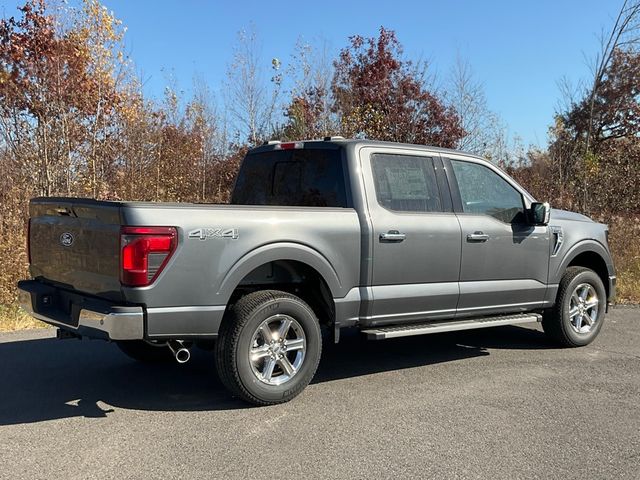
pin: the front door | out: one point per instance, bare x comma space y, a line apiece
505, 260
416, 237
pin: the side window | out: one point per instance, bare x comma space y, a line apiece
485, 192
405, 183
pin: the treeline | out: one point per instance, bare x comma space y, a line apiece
74, 120
592, 163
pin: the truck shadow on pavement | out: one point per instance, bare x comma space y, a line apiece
47, 379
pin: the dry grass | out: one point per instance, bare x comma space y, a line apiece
624, 238
628, 271
13, 318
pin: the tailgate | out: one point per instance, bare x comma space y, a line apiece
76, 242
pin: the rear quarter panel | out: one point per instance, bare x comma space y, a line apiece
205, 272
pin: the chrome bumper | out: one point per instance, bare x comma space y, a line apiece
612, 289
86, 317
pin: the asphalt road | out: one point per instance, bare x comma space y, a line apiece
497, 403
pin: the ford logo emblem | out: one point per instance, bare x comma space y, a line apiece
66, 239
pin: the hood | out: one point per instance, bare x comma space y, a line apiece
557, 214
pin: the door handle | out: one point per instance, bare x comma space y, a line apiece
392, 236
477, 237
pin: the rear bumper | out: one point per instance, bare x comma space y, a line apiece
83, 315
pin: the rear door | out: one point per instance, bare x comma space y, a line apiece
505, 260
416, 237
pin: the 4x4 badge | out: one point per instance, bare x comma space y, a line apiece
204, 233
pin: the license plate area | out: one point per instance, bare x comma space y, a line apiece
59, 305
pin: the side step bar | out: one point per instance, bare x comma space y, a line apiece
382, 333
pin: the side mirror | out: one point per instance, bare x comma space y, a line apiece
540, 213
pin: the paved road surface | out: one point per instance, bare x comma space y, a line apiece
498, 403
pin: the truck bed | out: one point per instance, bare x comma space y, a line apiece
212, 240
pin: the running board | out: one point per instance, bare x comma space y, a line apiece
382, 333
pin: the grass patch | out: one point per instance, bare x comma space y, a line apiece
628, 289
624, 239
13, 318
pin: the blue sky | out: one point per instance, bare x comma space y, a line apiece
519, 50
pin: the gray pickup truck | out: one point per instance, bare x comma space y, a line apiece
390, 239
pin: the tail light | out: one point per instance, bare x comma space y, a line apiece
144, 252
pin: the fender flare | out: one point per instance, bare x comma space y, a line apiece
581, 247
279, 251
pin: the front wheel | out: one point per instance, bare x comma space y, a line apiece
578, 315
268, 347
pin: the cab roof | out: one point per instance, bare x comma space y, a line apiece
337, 142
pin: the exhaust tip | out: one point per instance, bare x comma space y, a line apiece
180, 352
183, 355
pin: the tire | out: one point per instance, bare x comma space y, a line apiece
253, 324
141, 351
573, 321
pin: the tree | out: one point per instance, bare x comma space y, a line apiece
597, 133
608, 172
250, 100
380, 95
59, 94
613, 112
623, 35
36, 72
484, 132
309, 112
593, 142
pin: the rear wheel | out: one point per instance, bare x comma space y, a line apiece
578, 315
145, 352
268, 347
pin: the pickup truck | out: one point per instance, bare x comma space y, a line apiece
390, 239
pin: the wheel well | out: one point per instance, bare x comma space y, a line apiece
294, 277
594, 262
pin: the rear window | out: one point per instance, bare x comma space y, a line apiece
304, 177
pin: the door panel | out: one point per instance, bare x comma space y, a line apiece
416, 253
505, 262
507, 272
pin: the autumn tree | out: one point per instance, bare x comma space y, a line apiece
105, 93
382, 96
251, 99
613, 112
484, 132
605, 178
37, 72
595, 143
59, 94
597, 131
309, 113
623, 35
